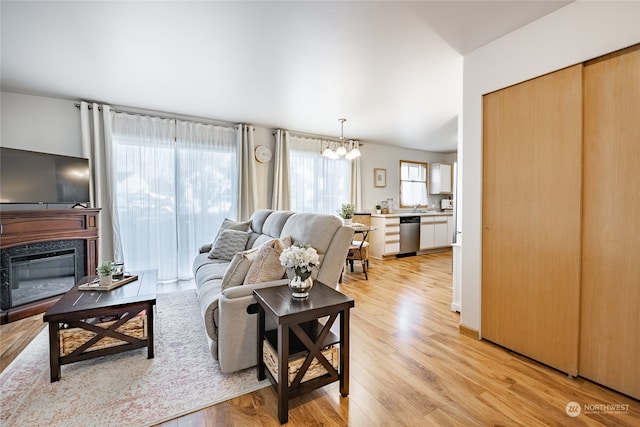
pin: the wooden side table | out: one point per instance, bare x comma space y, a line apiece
299, 333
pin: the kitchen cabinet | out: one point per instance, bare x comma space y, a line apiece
427, 233
385, 239
441, 231
440, 179
434, 231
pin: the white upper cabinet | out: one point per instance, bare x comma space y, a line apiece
440, 178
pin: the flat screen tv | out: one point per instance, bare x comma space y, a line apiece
30, 177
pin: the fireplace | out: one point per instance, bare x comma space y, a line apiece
42, 255
40, 271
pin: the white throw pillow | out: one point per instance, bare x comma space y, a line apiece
266, 265
229, 243
238, 268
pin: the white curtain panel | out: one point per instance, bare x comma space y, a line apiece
144, 182
175, 181
317, 183
281, 199
207, 186
95, 126
247, 196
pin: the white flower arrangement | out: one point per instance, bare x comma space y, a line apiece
298, 260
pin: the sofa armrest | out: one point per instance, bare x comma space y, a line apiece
205, 248
245, 290
238, 327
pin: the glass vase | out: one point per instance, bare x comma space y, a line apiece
300, 287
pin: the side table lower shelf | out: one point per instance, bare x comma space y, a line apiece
303, 373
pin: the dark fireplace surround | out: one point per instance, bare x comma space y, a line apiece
43, 236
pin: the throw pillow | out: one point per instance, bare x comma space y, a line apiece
266, 265
238, 268
229, 224
229, 243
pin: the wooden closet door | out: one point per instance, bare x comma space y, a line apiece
610, 316
531, 217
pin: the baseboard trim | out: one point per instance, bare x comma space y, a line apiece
469, 332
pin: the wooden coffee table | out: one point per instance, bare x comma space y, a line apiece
69, 318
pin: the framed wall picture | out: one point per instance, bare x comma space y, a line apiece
380, 177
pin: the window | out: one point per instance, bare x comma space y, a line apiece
174, 183
318, 184
413, 184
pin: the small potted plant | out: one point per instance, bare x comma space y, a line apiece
346, 212
378, 209
105, 270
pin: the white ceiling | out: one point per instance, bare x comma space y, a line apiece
393, 69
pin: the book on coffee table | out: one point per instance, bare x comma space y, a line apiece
96, 286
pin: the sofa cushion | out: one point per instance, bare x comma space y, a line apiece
238, 268
314, 229
210, 271
266, 265
266, 225
258, 218
200, 260
229, 243
275, 222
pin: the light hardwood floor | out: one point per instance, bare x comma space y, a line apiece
410, 366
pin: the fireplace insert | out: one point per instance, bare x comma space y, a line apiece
33, 275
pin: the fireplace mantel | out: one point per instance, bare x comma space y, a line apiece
36, 226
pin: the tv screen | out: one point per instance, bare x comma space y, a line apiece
31, 177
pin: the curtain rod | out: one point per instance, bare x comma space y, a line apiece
318, 137
152, 113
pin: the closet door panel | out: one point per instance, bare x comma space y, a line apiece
610, 316
531, 217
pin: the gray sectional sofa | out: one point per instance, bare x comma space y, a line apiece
229, 314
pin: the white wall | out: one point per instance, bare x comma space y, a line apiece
375, 156
578, 32
38, 123
264, 171
52, 125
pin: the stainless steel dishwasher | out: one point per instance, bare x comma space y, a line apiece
409, 235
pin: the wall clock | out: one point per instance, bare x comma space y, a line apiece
263, 153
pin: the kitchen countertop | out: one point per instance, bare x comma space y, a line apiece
398, 214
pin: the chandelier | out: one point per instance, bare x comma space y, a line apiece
338, 149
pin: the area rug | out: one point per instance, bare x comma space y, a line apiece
126, 389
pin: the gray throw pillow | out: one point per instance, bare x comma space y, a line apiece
228, 243
229, 224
